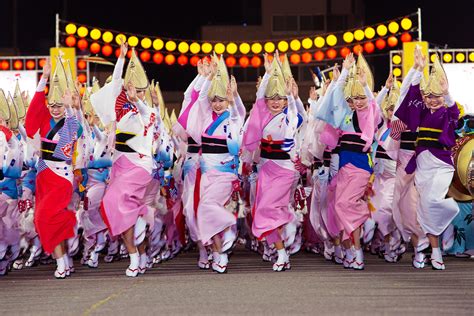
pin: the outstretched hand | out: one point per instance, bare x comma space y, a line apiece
47, 68
132, 92
123, 48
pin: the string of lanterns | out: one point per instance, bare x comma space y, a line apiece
182, 52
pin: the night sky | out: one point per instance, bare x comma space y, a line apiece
450, 24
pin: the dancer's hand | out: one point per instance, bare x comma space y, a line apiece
389, 82
313, 95
132, 92
123, 48
47, 68
348, 61
67, 98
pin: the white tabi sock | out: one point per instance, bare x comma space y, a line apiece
134, 260
436, 254
143, 261
66, 261
282, 255
61, 267
203, 254
338, 252
215, 256
224, 259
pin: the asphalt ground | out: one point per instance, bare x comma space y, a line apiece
313, 286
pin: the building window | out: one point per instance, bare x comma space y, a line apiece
312, 23
336, 22
285, 23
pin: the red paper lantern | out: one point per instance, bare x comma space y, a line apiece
81, 64
331, 53
82, 44
406, 37
392, 41
145, 56
380, 43
369, 47
107, 50
256, 61
4, 65
18, 64
70, 41
319, 55
358, 49
306, 57
194, 60
95, 48
158, 58
82, 78
30, 64
230, 61
295, 59
182, 60
170, 59
345, 51
244, 61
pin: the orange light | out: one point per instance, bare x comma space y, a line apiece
129, 54
194, 60
18, 64
319, 55
380, 43
30, 64
95, 48
107, 50
70, 41
331, 53
406, 37
82, 78
306, 57
46, 89
230, 61
5, 65
244, 61
369, 47
145, 56
81, 64
256, 61
392, 41
182, 60
295, 59
82, 44
358, 49
158, 58
170, 59
345, 51
42, 62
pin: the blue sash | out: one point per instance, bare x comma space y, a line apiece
212, 128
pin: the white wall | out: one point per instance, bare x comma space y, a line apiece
461, 84
27, 81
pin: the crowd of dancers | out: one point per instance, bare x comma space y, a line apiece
111, 174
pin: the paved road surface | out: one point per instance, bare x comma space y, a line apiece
313, 286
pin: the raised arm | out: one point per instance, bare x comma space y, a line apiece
37, 111
239, 104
